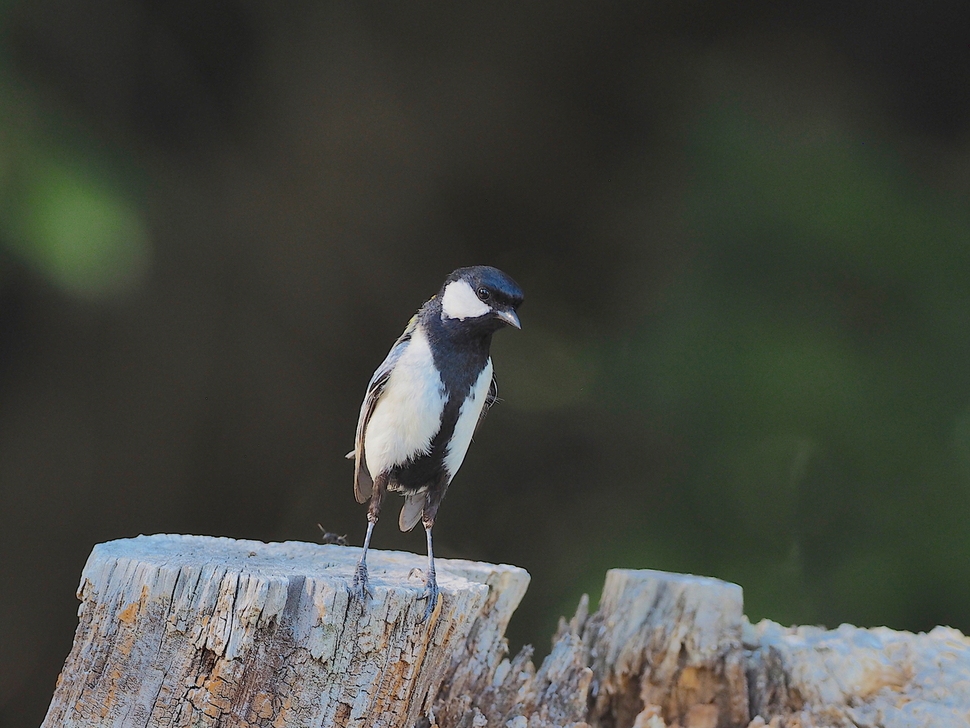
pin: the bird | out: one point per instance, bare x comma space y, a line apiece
424, 403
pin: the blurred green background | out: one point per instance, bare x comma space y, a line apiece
743, 231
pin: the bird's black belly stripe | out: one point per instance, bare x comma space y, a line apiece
425, 470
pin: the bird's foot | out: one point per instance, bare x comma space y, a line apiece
430, 593
361, 588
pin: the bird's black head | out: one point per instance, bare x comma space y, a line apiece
482, 296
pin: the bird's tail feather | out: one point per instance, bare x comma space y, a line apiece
412, 511
363, 482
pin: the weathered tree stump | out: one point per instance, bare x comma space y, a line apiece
668, 644
194, 631
809, 677
197, 631
661, 645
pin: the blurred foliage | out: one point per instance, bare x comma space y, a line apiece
793, 357
62, 217
742, 232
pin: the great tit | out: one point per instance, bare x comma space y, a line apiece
425, 401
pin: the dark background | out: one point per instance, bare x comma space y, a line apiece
743, 231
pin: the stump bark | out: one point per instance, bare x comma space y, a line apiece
195, 631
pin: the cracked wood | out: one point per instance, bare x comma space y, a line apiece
197, 631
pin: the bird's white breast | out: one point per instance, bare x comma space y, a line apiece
468, 417
408, 413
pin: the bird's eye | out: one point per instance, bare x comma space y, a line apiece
484, 293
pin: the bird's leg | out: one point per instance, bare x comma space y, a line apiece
431, 584
360, 588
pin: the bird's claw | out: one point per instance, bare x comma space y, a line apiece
430, 594
361, 588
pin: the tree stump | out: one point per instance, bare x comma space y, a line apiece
849, 677
662, 646
195, 631
198, 631
667, 644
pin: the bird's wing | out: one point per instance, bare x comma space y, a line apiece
412, 511
363, 481
491, 397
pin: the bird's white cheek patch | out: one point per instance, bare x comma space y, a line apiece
408, 414
471, 410
460, 302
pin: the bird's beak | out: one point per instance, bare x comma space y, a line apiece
509, 317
